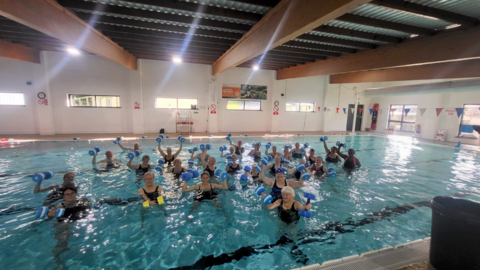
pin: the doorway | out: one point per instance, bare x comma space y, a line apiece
358, 123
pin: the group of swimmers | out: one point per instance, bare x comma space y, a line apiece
274, 175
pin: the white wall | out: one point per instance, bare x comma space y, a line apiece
248, 121
14, 76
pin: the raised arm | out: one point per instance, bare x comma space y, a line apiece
160, 150
38, 187
123, 147
186, 188
192, 155
178, 151
326, 147
204, 163
340, 153
129, 165
273, 205
299, 206
267, 180
94, 160
224, 186
266, 152
295, 184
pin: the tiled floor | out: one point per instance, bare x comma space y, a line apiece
418, 266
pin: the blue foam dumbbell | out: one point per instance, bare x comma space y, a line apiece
202, 147
300, 167
223, 176
268, 199
305, 213
159, 139
264, 161
247, 169
230, 163
259, 190
159, 169
243, 177
208, 147
218, 172
131, 155
137, 153
161, 161
305, 176
258, 168
191, 161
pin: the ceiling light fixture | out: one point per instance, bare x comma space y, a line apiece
73, 51
256, 67
177, 59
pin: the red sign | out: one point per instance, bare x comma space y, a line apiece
275, 113
275, 109
213, 112
43, 101
136, 105
319, 108
213, 107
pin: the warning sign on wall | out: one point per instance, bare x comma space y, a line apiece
136, 105
213, 109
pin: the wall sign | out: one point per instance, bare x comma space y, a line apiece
213, 109
136, 105
244, 91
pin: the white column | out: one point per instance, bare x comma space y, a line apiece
214, 90
136, 95
46, 123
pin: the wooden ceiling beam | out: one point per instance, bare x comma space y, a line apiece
337, 41
447, 46
316, 46
294, 56
169, 59
447, 70
22, 39
90, 7
305, 51
172, 51
427, 11
288, 20
351, 18
50, 18
356, 34
201, 9
161, 47
19, 52
106, 29
95, 19
170, 55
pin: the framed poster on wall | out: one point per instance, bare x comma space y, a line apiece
245, 91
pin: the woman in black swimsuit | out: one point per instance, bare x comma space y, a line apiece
318, 170
57, 190
143, 168
297, 152
255, 153
210, 166
177, 169
109, 160
288, 208
278, 183
169, 158
311, 156
150, 192
331, 154
205, 191
74, 209
238, 148
286, 154
274, 166
235, 166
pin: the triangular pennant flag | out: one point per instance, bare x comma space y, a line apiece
352, 109
439, 110
406, 111
392, 110
337, 109
344, 110
371, 111
459, 111
360, 110
422, 111
324, 109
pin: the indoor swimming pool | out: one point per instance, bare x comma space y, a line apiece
384, 203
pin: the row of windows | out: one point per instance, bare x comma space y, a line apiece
160, 103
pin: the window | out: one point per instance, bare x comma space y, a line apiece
402, 117
174, 103
300, 107
12, 99
470, 119
244, 105
93, 101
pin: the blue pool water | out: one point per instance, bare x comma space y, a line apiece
352, 214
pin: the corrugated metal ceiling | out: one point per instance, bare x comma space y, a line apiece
369, 29
465, 7
346, 38
232, 5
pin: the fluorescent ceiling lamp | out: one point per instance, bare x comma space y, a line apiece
73, 51
453, 26
256, 67
177, 59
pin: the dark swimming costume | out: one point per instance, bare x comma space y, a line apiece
276, 191
297, 155
169, 161
141, 171
206, 158
350, 163
205, 194
152, 196
179, 174
312, 161
273, 170
329, 159
254, 177
288, 215
317, 170
238, 152
54, 196
211, 172
75, 213
233, 169
297, 175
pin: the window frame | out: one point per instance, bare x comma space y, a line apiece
69, 105
300, 106
461, 119
24, 103
403, 115
176, 108
244, 100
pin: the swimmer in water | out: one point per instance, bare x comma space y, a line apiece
202, 155
317, 168
57, 190
141, 169
205, 191
210, 166
311, 156
238, 147
298, 174
288, 208
296, 152
109, 160
255, 153
169, 158
231, 151
177, 169
278, 183
273, 153
331, 153
274, 166
150, 192
286, 154
350, 161
235, 166
136, 146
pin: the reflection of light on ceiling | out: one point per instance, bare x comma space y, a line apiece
453, 26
